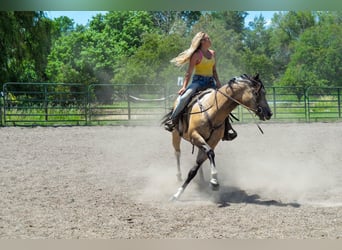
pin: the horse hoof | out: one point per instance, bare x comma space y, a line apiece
173, 198
215, 186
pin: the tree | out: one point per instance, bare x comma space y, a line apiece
25, 42
257, 55
317, 58
151, 62
227, 44
285, 29
165, 21
233, 20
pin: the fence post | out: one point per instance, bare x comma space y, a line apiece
1, 106
165, 101
46, 103
4, 102
274, 103
87, 106
128, 102
339, 101
307, 103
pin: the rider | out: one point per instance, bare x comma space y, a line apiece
202, 60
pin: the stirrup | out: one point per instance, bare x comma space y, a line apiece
169, 125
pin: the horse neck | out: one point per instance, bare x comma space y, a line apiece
231, 93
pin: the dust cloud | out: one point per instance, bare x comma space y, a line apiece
290, 163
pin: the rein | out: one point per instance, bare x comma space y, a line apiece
234, 100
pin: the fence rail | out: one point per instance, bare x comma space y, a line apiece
50, 104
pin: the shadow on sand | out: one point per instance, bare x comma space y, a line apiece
227, 195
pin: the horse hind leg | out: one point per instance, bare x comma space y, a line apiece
201, 157
192, 173
176, 139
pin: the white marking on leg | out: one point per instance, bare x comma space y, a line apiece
214, 181
178, 194
179, 174
213, 173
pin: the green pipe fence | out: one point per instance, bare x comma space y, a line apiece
59, 104
31, 104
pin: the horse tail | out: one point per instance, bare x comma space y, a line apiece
166, 117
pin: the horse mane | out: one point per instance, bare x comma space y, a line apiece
247, 79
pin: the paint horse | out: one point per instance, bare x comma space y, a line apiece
202, 122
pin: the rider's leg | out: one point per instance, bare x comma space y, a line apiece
229, 132
182, 101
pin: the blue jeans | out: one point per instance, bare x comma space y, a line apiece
198, 83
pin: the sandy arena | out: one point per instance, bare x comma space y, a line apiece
115, 183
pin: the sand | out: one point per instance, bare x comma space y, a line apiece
115, 183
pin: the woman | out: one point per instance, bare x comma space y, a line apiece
201, 60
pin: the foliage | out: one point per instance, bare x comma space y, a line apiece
317, 58
298, 48
25, 43
257, 56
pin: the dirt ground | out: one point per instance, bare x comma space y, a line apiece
115, 183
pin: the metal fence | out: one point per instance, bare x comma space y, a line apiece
53, 104
31, 104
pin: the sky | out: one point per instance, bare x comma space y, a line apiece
83, 17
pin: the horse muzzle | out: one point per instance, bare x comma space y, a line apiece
264, 113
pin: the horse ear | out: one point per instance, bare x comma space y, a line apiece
256, 77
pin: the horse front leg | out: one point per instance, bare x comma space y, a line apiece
211, 156
213, 181
204, 146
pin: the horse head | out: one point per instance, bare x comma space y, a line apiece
258, 102
255, 98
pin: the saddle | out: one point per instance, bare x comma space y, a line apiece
184, 116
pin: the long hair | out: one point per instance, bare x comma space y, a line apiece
184, 56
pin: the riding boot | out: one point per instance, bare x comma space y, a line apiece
169, 125
229, 133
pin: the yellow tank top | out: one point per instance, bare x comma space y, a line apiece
205, 67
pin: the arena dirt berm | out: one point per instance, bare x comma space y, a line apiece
115, 183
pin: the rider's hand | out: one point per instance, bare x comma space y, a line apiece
181, 91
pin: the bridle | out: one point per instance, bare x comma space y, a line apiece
258, 110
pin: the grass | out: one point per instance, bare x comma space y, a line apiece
42, 116
122, 112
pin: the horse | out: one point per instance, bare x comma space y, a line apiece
202, 122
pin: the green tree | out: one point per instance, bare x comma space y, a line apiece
25, 42
165, 21
233, 20
96, 53
285, 29
227, 44
317, 58
257, 55
151, 62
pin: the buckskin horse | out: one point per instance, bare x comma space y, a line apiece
202, 122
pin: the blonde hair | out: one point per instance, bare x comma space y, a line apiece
184, 56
